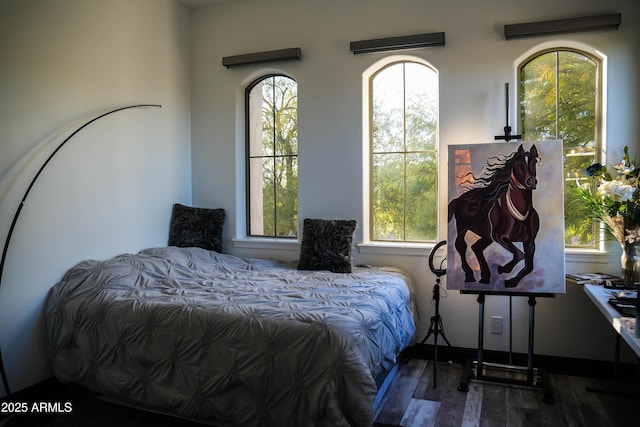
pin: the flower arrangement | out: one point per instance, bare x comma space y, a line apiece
617, 203
617, 198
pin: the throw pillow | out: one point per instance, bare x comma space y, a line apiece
196, 227
326, 245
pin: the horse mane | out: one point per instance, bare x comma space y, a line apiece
494, 179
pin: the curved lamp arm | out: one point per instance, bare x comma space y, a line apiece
24, 198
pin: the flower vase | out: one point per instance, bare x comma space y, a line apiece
630, 260
637, 327
631, 274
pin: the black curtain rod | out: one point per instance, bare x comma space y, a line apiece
563, 26
397, 43
252, 58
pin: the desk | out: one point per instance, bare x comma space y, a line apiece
624, 326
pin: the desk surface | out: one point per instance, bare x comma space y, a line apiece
623, 325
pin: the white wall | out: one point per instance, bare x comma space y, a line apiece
111, 188
473, 66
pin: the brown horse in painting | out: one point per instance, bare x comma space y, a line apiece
498, 208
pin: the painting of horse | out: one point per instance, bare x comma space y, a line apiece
502, 236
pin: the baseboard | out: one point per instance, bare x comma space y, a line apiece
553, 364
49, 389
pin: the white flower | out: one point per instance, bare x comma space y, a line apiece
625, 168
633, 236
616, 190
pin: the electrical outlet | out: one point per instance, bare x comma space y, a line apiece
496, 324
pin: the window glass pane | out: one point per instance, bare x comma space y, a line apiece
538, 104
285, 116
576, 101
388, 190
421, 107
388, 110
404, 124
272, 145
261, 197
422, 190
559, 100
261, 120
286, 208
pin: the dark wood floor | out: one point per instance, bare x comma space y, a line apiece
413, 401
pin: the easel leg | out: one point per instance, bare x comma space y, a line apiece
546, 386
532, 304
480, 332
468, 374
479, 374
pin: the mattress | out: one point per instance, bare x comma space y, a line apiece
228, 340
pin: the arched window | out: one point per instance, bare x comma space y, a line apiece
403, 153
272, 157
561, 98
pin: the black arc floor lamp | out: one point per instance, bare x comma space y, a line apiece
3, 373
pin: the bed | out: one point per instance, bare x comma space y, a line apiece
227, 340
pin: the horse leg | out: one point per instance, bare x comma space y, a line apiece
518, 256
461, 247
529, 251
529, 246
478, 249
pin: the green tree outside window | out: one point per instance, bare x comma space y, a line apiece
404, 157
560, 99
272, 161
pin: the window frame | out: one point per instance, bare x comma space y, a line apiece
248, 158
599, 124
369, 106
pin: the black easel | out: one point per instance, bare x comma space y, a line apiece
507, 129
435, 327
508, 137
541, 380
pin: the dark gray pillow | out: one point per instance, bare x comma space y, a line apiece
326, 245
196, 227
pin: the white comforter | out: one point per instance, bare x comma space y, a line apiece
229, 340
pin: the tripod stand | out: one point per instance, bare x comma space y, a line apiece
436, 328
